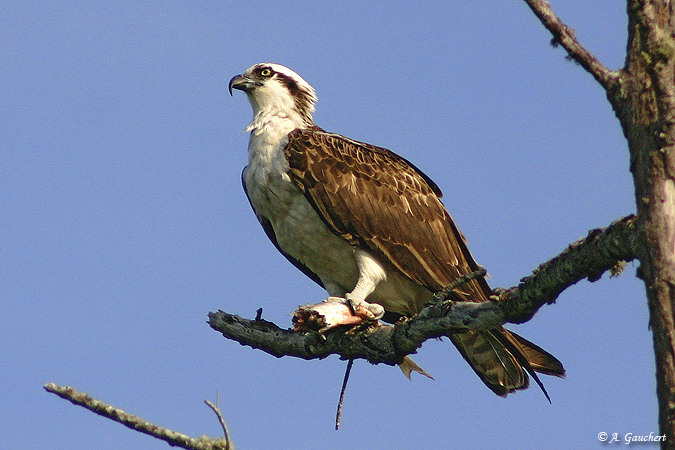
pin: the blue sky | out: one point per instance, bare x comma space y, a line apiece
123, 222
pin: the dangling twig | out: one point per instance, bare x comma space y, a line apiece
338, 416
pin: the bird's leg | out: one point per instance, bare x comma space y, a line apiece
360, 307
371, 273
342, 308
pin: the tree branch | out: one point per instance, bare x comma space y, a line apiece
136, 423
599, 251
588, 258
564, 36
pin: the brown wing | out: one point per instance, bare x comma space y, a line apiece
374, 198
377, 200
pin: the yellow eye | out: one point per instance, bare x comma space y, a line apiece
266, 72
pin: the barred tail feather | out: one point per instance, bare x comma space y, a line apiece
503, 359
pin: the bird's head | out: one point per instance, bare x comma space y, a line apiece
275, 89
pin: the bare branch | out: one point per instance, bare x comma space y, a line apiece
136, 423
588, 258
564, 36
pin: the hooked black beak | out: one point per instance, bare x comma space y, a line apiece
239, 82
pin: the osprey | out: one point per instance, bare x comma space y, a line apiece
365, 223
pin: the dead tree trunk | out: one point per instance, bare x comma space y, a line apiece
644, 101
642, 94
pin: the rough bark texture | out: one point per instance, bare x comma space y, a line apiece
645, 104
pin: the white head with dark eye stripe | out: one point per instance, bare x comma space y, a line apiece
275, 89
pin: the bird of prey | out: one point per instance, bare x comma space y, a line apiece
365, 223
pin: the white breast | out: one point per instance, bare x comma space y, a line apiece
298, 229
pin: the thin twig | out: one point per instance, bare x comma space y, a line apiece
564, 36
219, 414
444, 293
